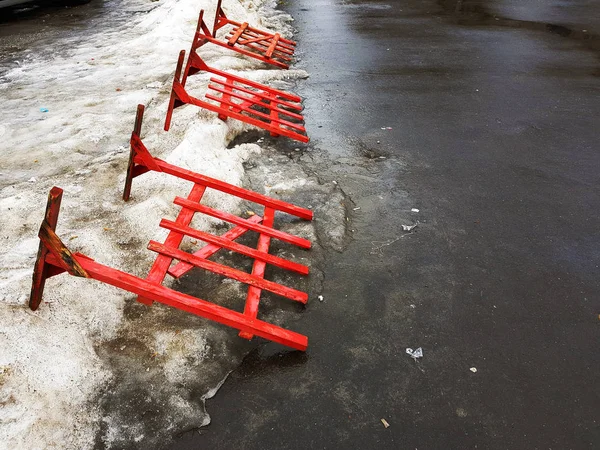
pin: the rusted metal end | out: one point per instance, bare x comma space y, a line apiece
60, 251
43, 270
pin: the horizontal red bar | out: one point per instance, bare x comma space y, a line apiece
200, 63
261, 94
201, 38
270, 120
256, 101
260, 49
258, 32
234, 274
230, 245
243, 117
219, 185
208, 250
261, 44
257, 39
281, 235
188, 303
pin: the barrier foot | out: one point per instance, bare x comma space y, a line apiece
51, 243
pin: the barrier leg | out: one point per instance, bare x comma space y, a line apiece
131, 166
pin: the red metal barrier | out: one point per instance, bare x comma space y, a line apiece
55, 258
240, 37
231, 96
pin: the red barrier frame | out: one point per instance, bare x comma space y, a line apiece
257, 104
267, 47
55, 258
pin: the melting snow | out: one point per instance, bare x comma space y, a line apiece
49, 370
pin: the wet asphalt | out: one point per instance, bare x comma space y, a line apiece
45, 28
31, 24
492, 109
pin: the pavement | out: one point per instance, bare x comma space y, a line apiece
26, 30
492, 109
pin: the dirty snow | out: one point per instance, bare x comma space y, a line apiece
50, 372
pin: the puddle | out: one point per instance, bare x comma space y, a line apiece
367, 6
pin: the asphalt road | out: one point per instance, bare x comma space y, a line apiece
33, 29
493, 108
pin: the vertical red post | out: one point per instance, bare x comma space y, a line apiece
227, 87
218, 13
137, 131
43, 270
274, 114
173, 100
258, 269
197, 42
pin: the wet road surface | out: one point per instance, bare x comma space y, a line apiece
493, 109
45, 28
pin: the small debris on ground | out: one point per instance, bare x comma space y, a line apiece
415, 354
44, 110
473, 369
386, 128
356, 209
414, 210
385, 423
408, 227
32, 180
320, 297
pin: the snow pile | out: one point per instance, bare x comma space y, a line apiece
50, 373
